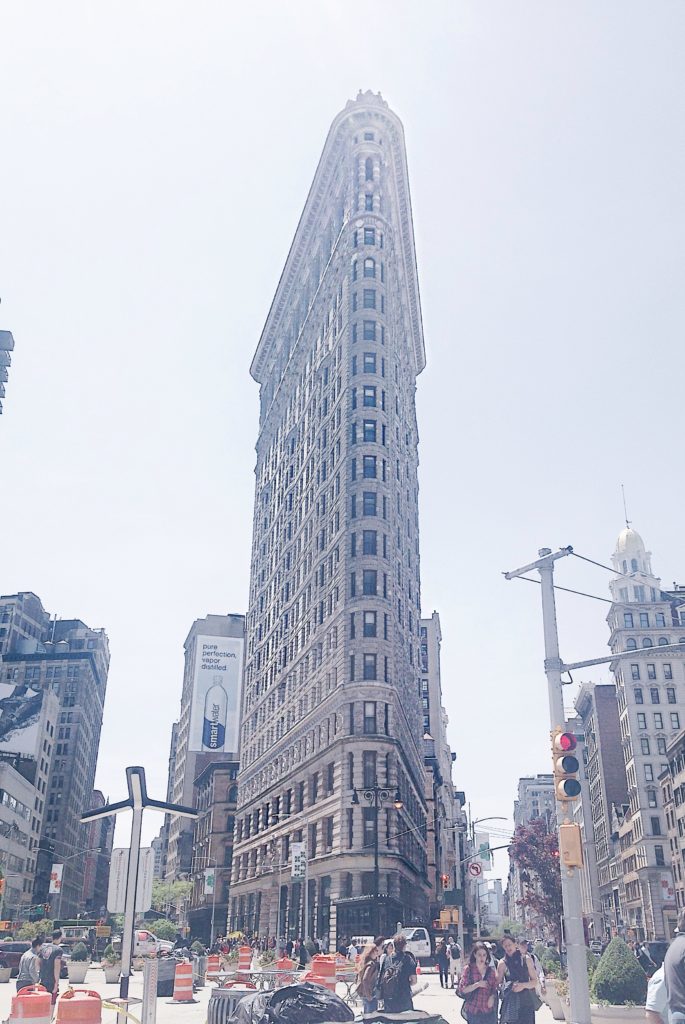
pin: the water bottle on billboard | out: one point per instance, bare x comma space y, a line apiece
214, 720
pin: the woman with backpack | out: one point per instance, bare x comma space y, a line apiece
397, 975
367, 978
443, 959
478, 988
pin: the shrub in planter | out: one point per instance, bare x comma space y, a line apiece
80, 953
618, 978
197, 948
77, 965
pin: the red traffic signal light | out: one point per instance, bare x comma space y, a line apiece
566, 765
445, 879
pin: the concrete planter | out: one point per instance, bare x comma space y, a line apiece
553, 999
112, 973
5, 975
599, 1014
77, 970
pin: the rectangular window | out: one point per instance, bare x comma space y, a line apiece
651, 671
658, 720
369, 819
635, 671
649, 773
370, 662
330, 777
369, 768
369, 298
656, 826
369, 503
370, 583
370, 542
369, 236
670, 694
638, 695
353, 469
350, 835
352, 631
661, 745
353, 507
353, 545
351, 719
353, 584
668, 672
641, 720
659, 854
350, 770
370, 396
651, 798
370, 358
368, 202
660, 619
369, 467
354, 302
654, 695
352, 668
369, 334
644, 746
644, 620
369, 430
675, 720
369, 624
354, 366
369, 717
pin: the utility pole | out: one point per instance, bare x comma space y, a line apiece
570, 879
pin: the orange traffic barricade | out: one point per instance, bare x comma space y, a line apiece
244, 963
183, 984
32, 1005
213, 965
79, 1006
288, 965
324, 968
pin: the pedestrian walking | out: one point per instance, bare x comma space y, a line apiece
518, 981
674, 972
29, 965
352, 951
478, 988
367, 978
442, 956
50, 964
454, 952
656, 1003
397, 975
524, 949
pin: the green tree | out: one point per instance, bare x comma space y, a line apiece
167, 895
31, 929
535, 851
164, 929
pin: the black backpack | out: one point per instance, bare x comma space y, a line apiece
390, 982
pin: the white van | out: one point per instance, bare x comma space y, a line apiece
418, 941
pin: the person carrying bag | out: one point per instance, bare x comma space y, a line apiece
478, 988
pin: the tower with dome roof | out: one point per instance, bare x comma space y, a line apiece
650, 694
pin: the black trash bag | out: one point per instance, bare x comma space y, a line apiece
293, 1004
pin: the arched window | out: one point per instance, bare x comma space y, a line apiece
369, 267
625, 565
368, 169
633, 564
682, 640
233, 795
630, 644
663, 640
646, 642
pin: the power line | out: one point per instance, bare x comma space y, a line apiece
568, 590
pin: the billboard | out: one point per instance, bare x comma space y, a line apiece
215, 714
21, 721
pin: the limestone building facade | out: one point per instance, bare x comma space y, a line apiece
650, 687
331, 702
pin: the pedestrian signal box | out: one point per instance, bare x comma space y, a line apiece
566, 765
571, 845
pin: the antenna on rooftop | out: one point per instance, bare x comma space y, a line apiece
625, 510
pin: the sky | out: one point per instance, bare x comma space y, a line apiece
155, 159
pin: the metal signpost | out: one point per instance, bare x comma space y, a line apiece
138, 801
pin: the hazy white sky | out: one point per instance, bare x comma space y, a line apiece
154, 160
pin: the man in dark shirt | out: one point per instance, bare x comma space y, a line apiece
396, 978
674, 973
51, 963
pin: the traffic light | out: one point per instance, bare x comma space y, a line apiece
566, 765
445, 879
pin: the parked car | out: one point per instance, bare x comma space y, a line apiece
596, 946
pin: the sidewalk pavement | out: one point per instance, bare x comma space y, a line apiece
434, 1000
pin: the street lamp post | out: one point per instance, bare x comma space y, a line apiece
81, 853
376, 796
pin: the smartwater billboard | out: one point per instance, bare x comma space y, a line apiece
215, 715
20, 719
